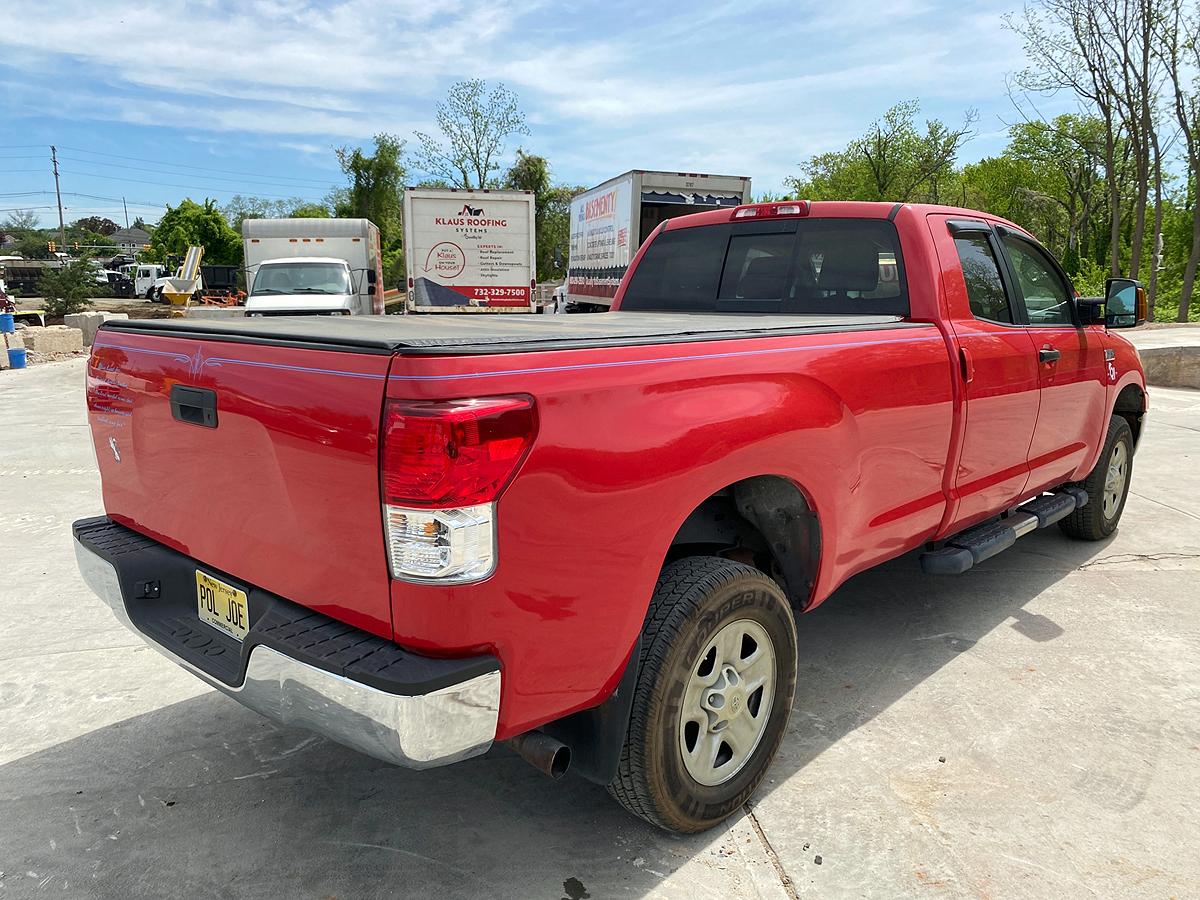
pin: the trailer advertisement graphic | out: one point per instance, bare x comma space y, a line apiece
600, 240
469, 255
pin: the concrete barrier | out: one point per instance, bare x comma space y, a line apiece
89, 322
216, 312
53, 339
1171, 366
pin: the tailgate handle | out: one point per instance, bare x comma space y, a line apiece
196, 406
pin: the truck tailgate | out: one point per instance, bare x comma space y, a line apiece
279, 490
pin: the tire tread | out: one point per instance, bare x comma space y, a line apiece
677, 594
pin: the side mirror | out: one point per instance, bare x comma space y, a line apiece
370, 276
1124, 303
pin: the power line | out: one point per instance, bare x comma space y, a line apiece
144, 170
314, 181
189, 187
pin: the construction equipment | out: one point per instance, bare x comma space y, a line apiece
179, 289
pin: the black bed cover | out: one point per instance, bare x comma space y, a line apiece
471, 334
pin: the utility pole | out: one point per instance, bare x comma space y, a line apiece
62, 229
126, 208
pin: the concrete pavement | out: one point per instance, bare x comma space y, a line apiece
1029, 729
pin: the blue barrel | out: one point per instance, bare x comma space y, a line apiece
6, 323
16, 357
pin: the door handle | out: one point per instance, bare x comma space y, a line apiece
966, 365
196, 406
1049, 355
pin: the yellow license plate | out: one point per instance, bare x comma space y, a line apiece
222, 606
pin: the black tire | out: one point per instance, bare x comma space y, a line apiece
1091, 522
693, 599
150, 293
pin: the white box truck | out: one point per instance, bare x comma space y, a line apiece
469, 251
612, 220
312, 267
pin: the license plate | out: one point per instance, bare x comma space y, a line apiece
222, 606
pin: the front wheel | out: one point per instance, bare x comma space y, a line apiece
1107, 487
714, 690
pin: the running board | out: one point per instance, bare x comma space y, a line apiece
973, 546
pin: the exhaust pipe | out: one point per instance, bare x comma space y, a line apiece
543, 752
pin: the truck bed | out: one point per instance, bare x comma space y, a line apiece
472, 335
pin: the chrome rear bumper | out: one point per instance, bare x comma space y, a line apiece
418, 731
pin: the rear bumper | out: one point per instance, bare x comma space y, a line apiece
418, 712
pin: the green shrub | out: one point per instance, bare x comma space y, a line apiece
67, 290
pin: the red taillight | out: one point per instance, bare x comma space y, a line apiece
451, 453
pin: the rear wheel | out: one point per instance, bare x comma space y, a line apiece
1107, 487
715, 685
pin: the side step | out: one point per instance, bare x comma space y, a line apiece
973, 546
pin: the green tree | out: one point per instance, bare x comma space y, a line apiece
239, 208
475, 124
95, 225
375, 191
532, 173
894, 161
66, 290
191, 224
310, 211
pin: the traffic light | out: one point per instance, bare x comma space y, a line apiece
77, 246
50, 246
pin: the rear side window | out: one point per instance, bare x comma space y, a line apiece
985, 289
797, 266
679, 270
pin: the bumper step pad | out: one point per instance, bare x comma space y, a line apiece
971, 547
167, 615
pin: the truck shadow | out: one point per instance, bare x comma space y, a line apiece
205, 799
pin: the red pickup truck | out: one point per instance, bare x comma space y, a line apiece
587, 535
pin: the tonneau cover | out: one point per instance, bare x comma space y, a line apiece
462, 335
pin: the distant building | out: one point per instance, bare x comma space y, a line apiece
130, 240
6, 239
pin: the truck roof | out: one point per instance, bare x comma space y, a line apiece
665, 174
303, 259
290, 228
838, 209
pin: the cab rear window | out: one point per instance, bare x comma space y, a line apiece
797, 266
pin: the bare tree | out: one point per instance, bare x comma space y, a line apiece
475, 125
1179, 44
20, 221
1070, 49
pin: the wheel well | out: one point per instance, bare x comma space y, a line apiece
766, 522
1131, 406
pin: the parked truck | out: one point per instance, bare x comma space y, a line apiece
613, 219
469, 251
589, 537
312, 267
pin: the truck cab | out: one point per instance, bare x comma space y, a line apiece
306, 285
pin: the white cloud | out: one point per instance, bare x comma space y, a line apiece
744, 87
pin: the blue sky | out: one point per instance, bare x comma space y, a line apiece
157, 101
